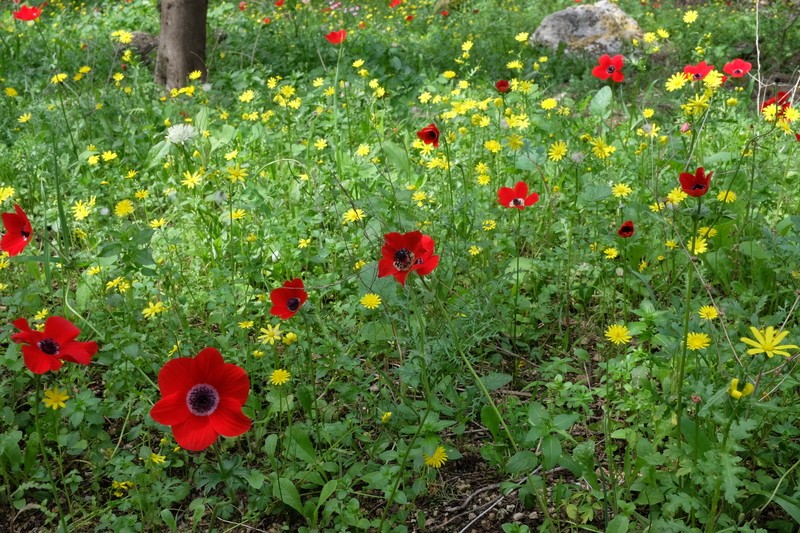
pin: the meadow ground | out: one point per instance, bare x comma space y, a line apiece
386, 267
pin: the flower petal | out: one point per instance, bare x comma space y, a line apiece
195, 433
228, 420
171, 410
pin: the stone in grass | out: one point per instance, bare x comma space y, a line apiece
601, 28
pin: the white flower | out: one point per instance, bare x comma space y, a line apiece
181, 133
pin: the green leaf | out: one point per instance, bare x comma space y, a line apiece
285, 491
753, 250
255, 479
790, 505
373, 332
158, 152
694, 436
300, 445
495, 380
270, 445
327, 490
551, 451
523, 461
169, 519
618, 525
565, 421
601, 101
396, 157
490, 419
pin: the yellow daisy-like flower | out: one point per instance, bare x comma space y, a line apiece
303, 243
676, 81
123, 208
488, 225
352, 215
690, 16
289, 338
767, 341
493, 146
475, 250
697, 341
611, 253
438, 459
618, 334
55, 399
58, 78
191, 180
247, 96
363, 150
371, 301
514, 65
157, 459
109, 156
236, 173
648, 113
708, 312
676, 196
549, 103
385, 417
698, 245
23, 118
706, 231
621, 190
696, 105
270, 334
279, 377
600, 149
726, 197
153, 308
557, 151
157, 223
737, 394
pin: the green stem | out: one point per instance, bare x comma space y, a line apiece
678, 385
38, 385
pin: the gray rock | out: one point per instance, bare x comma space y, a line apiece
602, 28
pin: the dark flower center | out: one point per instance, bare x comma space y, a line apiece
403, 259
738, 71
611, 69
202, 399
48, 346
517, 202
25, 234
292, 304
698, 187
697, 76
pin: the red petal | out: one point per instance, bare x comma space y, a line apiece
532, 199
428, 265
171, 410
177, 376
78, 352
505, 195
39, 362
61, 330
232, 382
195, 434
228, 420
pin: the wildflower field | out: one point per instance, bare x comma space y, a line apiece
389, 267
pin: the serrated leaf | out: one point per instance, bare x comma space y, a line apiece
255, 479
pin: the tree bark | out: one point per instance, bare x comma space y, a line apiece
182, 41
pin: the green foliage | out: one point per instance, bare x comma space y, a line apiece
294, 161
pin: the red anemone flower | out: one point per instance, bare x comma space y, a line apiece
27, 13
407, 252
287, 300
737, 68
518, 197
242, 6
699, 71
609, 67
18, 231
429, 135
336, 37
48, 349
626, 229
502, 86
797, 136
409, 18
395, 3
696, 184
781, 101
202, 398
279, 3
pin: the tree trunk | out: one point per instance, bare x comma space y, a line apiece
182, 41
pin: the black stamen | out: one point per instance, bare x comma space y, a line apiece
292, 304
48, 346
